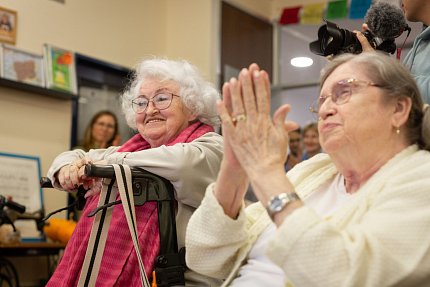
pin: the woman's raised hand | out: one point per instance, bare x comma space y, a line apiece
257, 141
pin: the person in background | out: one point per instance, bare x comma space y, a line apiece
294, 149
101, 132
311, 143
417, 59
173, 109
356, 215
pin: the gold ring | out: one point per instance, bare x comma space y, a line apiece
240, 117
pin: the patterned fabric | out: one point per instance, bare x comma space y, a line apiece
119, 266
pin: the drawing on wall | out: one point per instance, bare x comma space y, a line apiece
60, 69
8, 25
21, 66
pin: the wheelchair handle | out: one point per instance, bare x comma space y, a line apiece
91, 170
103, 171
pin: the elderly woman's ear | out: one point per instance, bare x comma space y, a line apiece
192, 118
402, 110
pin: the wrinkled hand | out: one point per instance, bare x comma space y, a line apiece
257, 141
230, 106
95, 184
72, 175
95, 187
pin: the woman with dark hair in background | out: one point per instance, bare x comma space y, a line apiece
101, 132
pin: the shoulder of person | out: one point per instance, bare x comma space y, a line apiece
411, 164
211, 138
78, 147
425, 34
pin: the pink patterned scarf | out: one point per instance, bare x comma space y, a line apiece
119, 266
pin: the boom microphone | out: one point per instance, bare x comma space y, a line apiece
385, 20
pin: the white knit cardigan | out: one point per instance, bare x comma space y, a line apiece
380, 238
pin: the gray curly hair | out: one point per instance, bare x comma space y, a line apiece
198, 95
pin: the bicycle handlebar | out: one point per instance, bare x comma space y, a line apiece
11, 204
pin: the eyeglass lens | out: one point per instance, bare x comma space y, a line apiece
160, 101
341, 92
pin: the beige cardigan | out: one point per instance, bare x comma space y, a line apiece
380, 238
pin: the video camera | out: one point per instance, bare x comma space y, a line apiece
333, 40
385, 22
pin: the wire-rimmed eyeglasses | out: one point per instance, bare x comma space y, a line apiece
341, 93
161, 101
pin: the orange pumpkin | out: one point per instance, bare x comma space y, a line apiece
59, 229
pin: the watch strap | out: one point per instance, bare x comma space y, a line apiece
278, 202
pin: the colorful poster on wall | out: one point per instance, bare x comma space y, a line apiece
337, 10
60, 68
359, 8
290, 16
312, 13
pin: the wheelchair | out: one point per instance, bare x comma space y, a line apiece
147, 187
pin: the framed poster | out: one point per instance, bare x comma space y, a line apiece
60, 69
20, 181
8, 25
21, 66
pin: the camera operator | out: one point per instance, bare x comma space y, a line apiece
417, 58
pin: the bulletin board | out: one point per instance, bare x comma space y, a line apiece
20, 180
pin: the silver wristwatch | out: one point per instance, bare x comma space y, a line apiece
278, 202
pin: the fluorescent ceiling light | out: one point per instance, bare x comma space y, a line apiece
301, 62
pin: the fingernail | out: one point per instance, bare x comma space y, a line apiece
256, 74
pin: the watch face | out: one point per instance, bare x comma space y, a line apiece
276, 204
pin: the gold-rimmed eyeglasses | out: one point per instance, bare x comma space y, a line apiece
341, 93
161, 101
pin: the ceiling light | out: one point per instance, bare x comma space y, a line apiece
301, 62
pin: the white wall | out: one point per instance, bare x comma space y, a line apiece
116, 31
120, 32
192, 33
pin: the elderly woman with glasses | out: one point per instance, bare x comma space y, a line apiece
173, 110
357, 215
